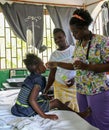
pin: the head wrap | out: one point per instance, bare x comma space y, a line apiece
78, 17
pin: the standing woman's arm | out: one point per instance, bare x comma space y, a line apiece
54, 64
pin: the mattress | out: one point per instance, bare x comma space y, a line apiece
67, 120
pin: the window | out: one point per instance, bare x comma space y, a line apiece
13, 49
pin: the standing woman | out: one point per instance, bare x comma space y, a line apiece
58, 77
91, 62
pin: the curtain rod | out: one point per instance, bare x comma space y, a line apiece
45, 3
94, 3
54, 4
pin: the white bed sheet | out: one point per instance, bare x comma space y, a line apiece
67, 120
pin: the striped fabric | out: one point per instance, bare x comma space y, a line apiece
23, 95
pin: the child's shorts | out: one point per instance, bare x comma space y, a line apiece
28, 111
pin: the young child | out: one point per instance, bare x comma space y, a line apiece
29, 101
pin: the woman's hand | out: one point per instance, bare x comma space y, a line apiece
51, 65
80, 65
70, 82
51, 116
46, 97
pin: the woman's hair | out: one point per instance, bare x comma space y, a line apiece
81, 18
31, 62
56, 30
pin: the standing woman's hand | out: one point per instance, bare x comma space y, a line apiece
80, 65
51, 64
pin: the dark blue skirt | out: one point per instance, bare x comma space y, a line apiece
29, 111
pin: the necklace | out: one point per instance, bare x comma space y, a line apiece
87, 54
89, 44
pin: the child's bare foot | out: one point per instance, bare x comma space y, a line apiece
86, 113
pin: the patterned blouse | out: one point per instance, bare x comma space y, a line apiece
89, 82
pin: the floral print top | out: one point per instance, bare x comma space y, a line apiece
89, 82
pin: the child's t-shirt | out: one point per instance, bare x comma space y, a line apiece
28, 85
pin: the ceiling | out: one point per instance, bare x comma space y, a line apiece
66, 2
89, 4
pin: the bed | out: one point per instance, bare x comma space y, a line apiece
67, 120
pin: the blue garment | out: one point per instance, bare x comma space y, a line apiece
22, 106
99, 105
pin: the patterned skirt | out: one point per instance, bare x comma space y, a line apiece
65, 94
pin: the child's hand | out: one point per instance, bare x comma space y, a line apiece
46, 96
51, 116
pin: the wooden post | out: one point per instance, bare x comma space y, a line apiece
84, 6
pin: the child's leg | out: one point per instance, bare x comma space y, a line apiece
61, 106
58, 104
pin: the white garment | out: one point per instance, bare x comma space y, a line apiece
63, 56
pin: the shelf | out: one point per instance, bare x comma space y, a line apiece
7, 86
